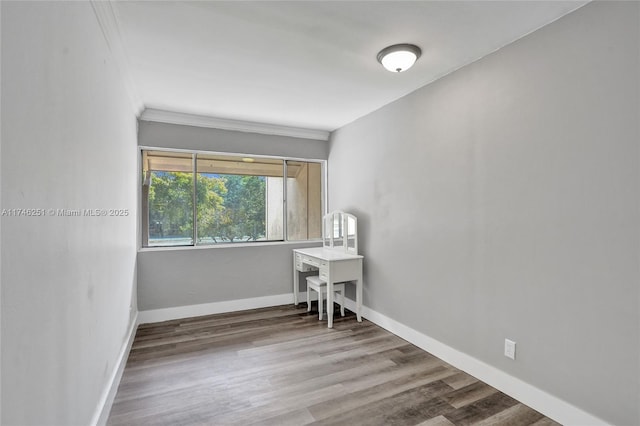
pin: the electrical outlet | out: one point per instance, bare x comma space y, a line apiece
510, 349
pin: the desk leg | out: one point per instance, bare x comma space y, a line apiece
329, 302
359, 299
296, 283
359, 292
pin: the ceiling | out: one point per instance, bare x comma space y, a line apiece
306, 64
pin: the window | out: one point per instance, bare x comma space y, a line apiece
195, 198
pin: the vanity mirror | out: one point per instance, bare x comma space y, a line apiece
340, 230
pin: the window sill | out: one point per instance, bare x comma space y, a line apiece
229, 245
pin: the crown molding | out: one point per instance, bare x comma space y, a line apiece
108, 22
171, 117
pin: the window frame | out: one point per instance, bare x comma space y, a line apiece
194, 244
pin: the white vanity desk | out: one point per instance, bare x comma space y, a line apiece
336, 261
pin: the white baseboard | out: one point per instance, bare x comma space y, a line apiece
166, 314
101, 415
539, 400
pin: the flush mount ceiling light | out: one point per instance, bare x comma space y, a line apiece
399, 57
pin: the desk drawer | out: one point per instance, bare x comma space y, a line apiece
303, 267
324, 270
310, 261
305, 263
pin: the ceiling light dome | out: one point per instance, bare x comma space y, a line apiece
399, 57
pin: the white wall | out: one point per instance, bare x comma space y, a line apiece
164, 135
502, 201
68, 283
179, 277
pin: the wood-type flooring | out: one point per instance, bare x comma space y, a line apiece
281, 366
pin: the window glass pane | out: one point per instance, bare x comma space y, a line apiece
167, 198
304, 200
238, 199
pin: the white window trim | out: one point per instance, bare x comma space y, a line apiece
324, 192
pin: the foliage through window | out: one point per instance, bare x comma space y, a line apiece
236, 199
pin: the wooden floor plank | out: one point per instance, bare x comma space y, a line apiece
370, 395
518, 415
436, 421
281, 366
481, 409
469, 394
460, 380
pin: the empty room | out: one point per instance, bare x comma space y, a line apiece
320, 212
